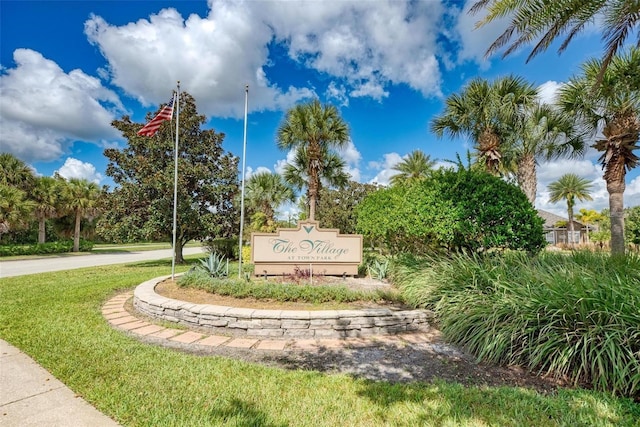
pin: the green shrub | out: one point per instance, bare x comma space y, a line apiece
411, 219
573, 316
462, 210
44, 248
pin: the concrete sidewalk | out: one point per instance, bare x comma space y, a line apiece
31, 396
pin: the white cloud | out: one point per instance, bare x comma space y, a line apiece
548, 91
213, 57
74, 168
280, 164
385, 168
368, 44
250, 172
364, 46
43, 109
339, 93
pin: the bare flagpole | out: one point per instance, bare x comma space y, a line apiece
176, 103
244, 161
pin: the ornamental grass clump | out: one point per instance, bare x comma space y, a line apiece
573, 316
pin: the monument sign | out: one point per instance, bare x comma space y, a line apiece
307, 247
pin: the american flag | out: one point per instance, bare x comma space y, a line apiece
152, 127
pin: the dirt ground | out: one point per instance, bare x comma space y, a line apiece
425, 360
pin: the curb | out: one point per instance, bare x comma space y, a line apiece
118, 317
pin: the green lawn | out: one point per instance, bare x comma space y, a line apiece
56, 319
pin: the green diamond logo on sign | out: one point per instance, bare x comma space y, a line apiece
308, 229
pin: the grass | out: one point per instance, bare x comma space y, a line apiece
574, 316
55, 318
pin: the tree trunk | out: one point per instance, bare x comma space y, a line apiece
42, 232
527, 176
616, 208
178, 250
76, 233
314, 178
570, 224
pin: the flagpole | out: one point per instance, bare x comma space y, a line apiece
244, 161
176, 103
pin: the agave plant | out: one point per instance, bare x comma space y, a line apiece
216, 265
379, 269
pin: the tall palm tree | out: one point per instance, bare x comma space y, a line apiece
488, 113
266, 191
15, 209
545, 21
612, 108
570, 187
15, 172
317, 129
332, 173
81, 199
45, 195
415, 166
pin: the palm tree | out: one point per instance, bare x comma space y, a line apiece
545, 21
570, 187
15, 209
45, 195
488, 113
333, 173
543, 133
314, 130
15, 172
612, 108
266, 191
81, 199
416, 166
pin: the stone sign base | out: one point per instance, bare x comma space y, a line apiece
279, 323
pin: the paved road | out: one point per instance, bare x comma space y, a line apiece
69, 262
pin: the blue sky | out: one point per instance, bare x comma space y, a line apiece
70, 67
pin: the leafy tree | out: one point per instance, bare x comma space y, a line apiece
588, 217
613, 108
570, 187
46, 197
414, 167
545, 21
142, 202
337, 208
15, 172
15, 209
266, 191
313, 130
80, 197
487, 112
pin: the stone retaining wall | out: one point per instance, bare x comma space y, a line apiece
278, 323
